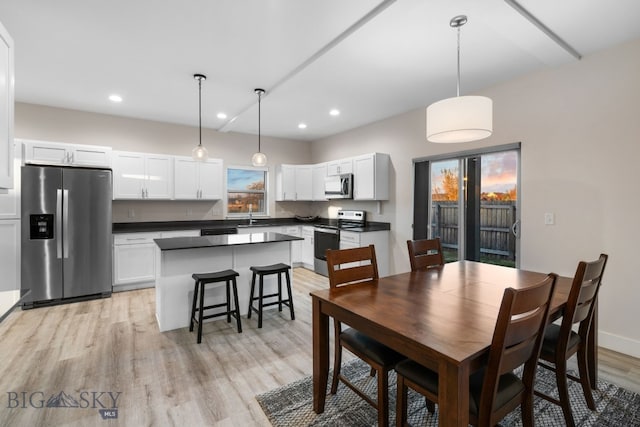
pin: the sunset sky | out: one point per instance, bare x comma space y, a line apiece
498, 171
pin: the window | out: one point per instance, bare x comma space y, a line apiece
246, 191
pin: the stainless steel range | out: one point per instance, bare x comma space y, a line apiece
327, 236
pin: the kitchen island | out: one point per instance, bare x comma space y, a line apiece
179, 257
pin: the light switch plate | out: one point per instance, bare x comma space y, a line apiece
549, 219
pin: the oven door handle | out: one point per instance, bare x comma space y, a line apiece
326, 230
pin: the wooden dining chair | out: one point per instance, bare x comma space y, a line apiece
346, 267
425, 253
494, 390
561, 342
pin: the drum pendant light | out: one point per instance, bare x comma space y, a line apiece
259, 158
463, 118
199, 153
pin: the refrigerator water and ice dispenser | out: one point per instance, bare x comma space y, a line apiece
41, 226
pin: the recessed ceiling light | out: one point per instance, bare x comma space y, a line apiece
115, 98
302, 125
222, 116
334, 112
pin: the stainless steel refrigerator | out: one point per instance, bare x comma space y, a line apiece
66, 234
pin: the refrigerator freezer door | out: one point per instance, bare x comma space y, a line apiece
87, 232
41, 269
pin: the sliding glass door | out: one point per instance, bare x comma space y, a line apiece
472, 204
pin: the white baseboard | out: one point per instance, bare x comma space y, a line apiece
619, 343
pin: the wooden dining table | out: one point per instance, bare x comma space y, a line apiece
442, 318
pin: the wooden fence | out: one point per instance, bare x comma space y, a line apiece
497, 242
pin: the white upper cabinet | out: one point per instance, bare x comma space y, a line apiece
304, 186
211, 179
287, 183
142, 176
371, 177
195, 180
307, 182
6, 108
294, 182
317, 181
338, 167
186, 185
57, 153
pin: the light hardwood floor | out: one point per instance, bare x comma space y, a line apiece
113, 345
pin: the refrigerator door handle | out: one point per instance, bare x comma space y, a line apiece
65, 222
58, 223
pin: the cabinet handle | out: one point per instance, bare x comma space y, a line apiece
71, 157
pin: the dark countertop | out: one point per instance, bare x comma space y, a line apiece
138, 227
175, 243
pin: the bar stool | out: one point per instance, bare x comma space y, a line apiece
266, 270
203, 279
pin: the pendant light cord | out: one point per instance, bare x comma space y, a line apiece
200, 109
259, 118
458, 86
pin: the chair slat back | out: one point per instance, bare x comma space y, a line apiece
425, 253
518, 335
585, 287
351, 265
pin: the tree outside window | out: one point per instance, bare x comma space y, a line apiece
246, 191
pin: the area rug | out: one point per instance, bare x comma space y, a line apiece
292, 406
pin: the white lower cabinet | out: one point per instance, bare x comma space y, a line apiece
10, 255
307, 247
134, 258
296, 245
134, 261
380, 239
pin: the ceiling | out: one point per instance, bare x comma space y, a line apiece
370, 59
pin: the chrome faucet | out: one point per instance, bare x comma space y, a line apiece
251, 220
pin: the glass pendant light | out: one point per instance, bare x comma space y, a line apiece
259, 158
463, 118
199, 153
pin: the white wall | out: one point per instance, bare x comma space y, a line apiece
579, 125
124, 134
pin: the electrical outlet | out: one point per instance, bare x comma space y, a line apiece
132, 213
549, 219
189, 211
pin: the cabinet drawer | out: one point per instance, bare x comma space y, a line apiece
350, 237
134, 238
291, 231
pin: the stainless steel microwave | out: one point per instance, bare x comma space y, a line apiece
339, 186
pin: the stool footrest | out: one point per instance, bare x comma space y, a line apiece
267, 304
211, 316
